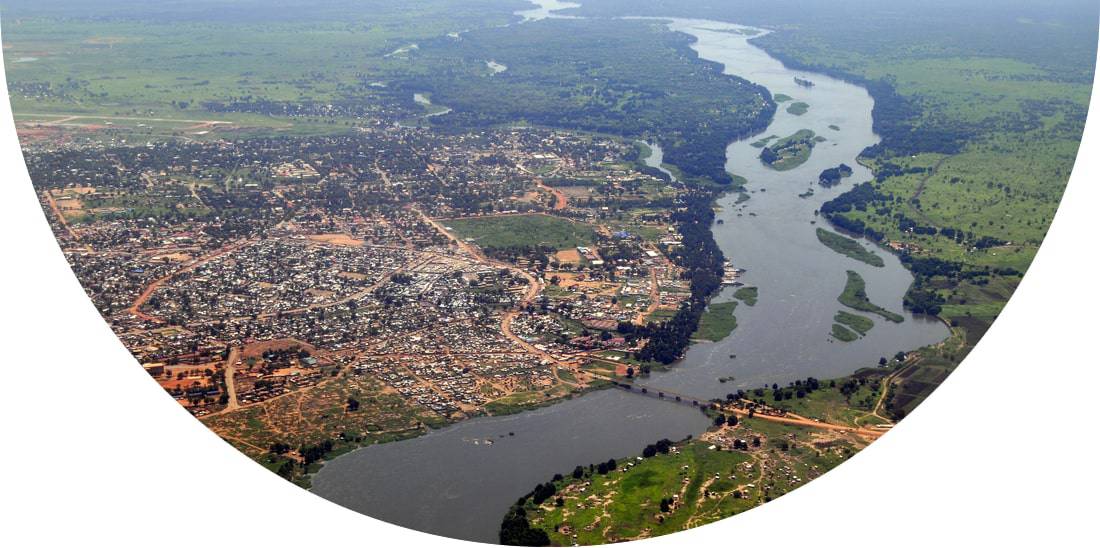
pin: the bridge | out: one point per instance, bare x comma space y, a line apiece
746, 408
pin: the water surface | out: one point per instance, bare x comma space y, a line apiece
445, 483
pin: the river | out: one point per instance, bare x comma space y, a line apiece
445, 483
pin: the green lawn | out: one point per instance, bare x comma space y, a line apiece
510, 231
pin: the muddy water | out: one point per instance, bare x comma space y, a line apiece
453, 482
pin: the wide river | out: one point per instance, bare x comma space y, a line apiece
451, 482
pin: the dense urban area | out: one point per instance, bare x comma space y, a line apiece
469, 217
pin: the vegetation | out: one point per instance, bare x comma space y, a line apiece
798, 108
673, 486
789, 152
855, 296
862, 324
511, 232
636, 80
848, 247
843, 334
748, 295
717, 322
832, 176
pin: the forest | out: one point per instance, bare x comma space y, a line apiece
628, 78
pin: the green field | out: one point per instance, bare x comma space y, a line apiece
862, 324
747, 295
843, 334
522, 231
855, 296
717, 322
698, 485
848, 247
790, 151
798, 108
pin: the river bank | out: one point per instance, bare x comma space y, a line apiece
445, 483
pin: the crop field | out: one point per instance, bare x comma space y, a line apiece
511, 231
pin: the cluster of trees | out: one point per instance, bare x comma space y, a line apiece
662, 446
702, 261
516, 530
832, 176
313, 453
620, 77
797, 389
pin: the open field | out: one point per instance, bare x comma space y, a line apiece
509, 231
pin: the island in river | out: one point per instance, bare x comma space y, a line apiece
476, 484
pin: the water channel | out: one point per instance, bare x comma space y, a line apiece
453, 482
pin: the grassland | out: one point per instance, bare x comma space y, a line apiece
798, 108
848, 247
747, 295
855, 296
690, 485
512, 231
861, 324
843, 334
717, 322
790, 151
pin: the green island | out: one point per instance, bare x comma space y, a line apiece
979, 111
789, 152
848, 247
798, 108
717, 322
855, 296
831, 177
761, 143
862, 324
843, 334
747, 295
